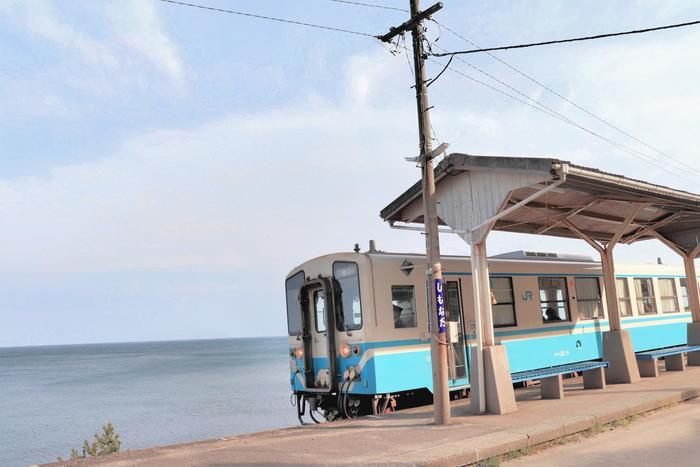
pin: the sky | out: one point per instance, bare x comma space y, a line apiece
163, 168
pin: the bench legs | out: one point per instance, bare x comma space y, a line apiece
648, 368
552, 387
675, 362
594, 379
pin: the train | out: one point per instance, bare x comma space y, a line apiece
359, 331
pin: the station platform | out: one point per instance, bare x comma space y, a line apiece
409, 437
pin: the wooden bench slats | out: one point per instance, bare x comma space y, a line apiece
528, 375
655, 354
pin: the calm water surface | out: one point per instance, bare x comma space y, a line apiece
51, 398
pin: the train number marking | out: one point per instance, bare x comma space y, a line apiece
527, 296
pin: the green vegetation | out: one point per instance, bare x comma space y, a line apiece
107, 442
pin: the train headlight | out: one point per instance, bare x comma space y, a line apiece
300, 352
345, 350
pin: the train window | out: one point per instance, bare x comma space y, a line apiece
644, 288
623, 296
454, 313
347, 288
684, 294
554, 303
588, 298
404, 304
320, 310
292, 287
667, 294
502, 302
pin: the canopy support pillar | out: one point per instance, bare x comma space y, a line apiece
492, 387
617, 343
691, 286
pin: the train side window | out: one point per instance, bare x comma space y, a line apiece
347, 289
668, 296
454, 311
684, 294
320, 310
554, 302
403, 301
623, 296
644, 288
292, 288
502, 302
588, 298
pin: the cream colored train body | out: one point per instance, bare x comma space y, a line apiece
359, 331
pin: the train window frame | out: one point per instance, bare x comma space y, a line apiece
673, 296
512, 302
577, 280
286, 291
685, 299
625, 298
315, 301
338, 299
641, 298
564, 300
449, 303
396, 288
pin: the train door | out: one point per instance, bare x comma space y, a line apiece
457, 356
319, 338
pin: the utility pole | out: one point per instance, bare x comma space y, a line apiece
438, 342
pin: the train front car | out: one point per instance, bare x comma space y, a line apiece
325, 318
358, 335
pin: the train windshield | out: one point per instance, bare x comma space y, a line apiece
347, 285
293, 286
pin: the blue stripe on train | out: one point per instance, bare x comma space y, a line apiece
394, 372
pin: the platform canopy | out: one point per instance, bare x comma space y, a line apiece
544, 196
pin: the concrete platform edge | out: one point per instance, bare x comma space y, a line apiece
553, 430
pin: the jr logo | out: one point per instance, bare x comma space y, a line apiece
527, 296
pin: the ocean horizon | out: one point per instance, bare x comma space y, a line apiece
154, 393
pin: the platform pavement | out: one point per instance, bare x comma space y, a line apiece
410, 438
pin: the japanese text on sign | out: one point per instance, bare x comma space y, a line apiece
440, 301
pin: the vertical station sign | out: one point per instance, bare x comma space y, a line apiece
440, 301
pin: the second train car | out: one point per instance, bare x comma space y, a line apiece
359, 339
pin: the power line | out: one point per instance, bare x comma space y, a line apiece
576, 39
270, 18
554, 114
579, 107
370, 5
562, 117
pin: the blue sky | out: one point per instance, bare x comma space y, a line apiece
163, 167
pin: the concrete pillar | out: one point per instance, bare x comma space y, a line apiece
675, 362
594, 379
493, 385
691, 278
619, 353
648, 368
552, 387
479, 252
617, 344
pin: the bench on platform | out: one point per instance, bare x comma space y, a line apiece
551, 381
674, 356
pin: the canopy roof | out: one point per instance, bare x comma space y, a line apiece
545, 196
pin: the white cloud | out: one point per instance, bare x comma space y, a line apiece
139, 26
40, 18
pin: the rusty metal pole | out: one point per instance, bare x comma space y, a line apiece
438, 344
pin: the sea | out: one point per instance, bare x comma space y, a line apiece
154, 394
